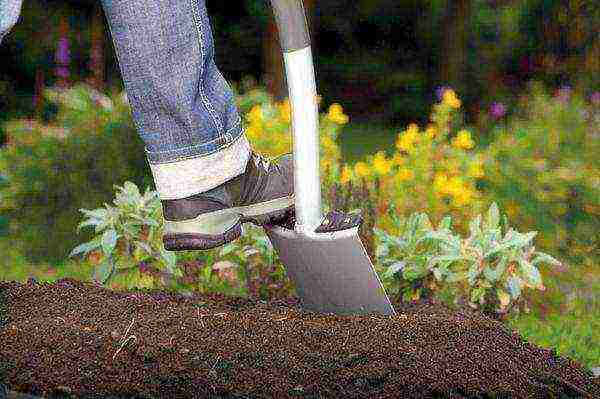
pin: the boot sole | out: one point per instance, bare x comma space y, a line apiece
214, 229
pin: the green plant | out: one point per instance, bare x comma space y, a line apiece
126, 234
488, 270
405, 255
53, 169
127, 250
542, 168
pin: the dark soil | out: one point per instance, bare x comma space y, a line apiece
76, 339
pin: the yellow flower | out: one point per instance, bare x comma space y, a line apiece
454, 186
326, 163
431, 131
381, 165
406, 140
361, 169
449, 98
346, 175
404, 143
255, 115
440, 182
252, 132
476, 169
413, 129
336, 114
463, 140
463, 197
285, 110
328, 143
398, 160
405, 174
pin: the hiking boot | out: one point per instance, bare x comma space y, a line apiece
263, 194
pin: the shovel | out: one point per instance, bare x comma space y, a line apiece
324, 256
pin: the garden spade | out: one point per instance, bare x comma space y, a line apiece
324, 256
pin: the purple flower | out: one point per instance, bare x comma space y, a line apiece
439, 92
144, 267
563, 94
63, 54
595, 97
62, 72
497, 110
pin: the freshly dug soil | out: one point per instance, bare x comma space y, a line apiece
77, 339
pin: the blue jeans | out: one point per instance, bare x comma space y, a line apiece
183, 108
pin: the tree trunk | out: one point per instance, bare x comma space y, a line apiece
38, 97
453, 60
96, 65
274, 73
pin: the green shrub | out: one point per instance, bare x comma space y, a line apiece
54, 169
488, 270
543, 167
127, 251
574, 334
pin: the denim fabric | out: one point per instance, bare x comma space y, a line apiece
181, 104
183, 108
9, 14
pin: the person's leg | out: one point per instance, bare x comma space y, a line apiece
209, 179
9, 15
183, 108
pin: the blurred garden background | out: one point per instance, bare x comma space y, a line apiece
432, 112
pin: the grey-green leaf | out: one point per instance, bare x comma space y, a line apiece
490, 274
382, 251
394, 268
151, 222
109, 241
475, 226
446, 223
514, 286
99, 213
144, 245
493, 217
104, 270
542, 257
88, 222
170, 259
84, 248
227, 249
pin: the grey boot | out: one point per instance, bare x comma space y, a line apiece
263, 194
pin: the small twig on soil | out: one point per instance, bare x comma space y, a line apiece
212, 369
283, 318
220, 314
126, 339
123, 344
346, 341
129, 328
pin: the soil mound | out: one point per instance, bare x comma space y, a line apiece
76, 339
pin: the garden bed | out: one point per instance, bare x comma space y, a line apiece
76, 339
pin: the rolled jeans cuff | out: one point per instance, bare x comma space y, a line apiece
187, 177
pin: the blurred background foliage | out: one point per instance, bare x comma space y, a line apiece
522, 130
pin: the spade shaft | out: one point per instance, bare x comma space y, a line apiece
324, 256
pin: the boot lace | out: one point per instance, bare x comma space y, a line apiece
261, 160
